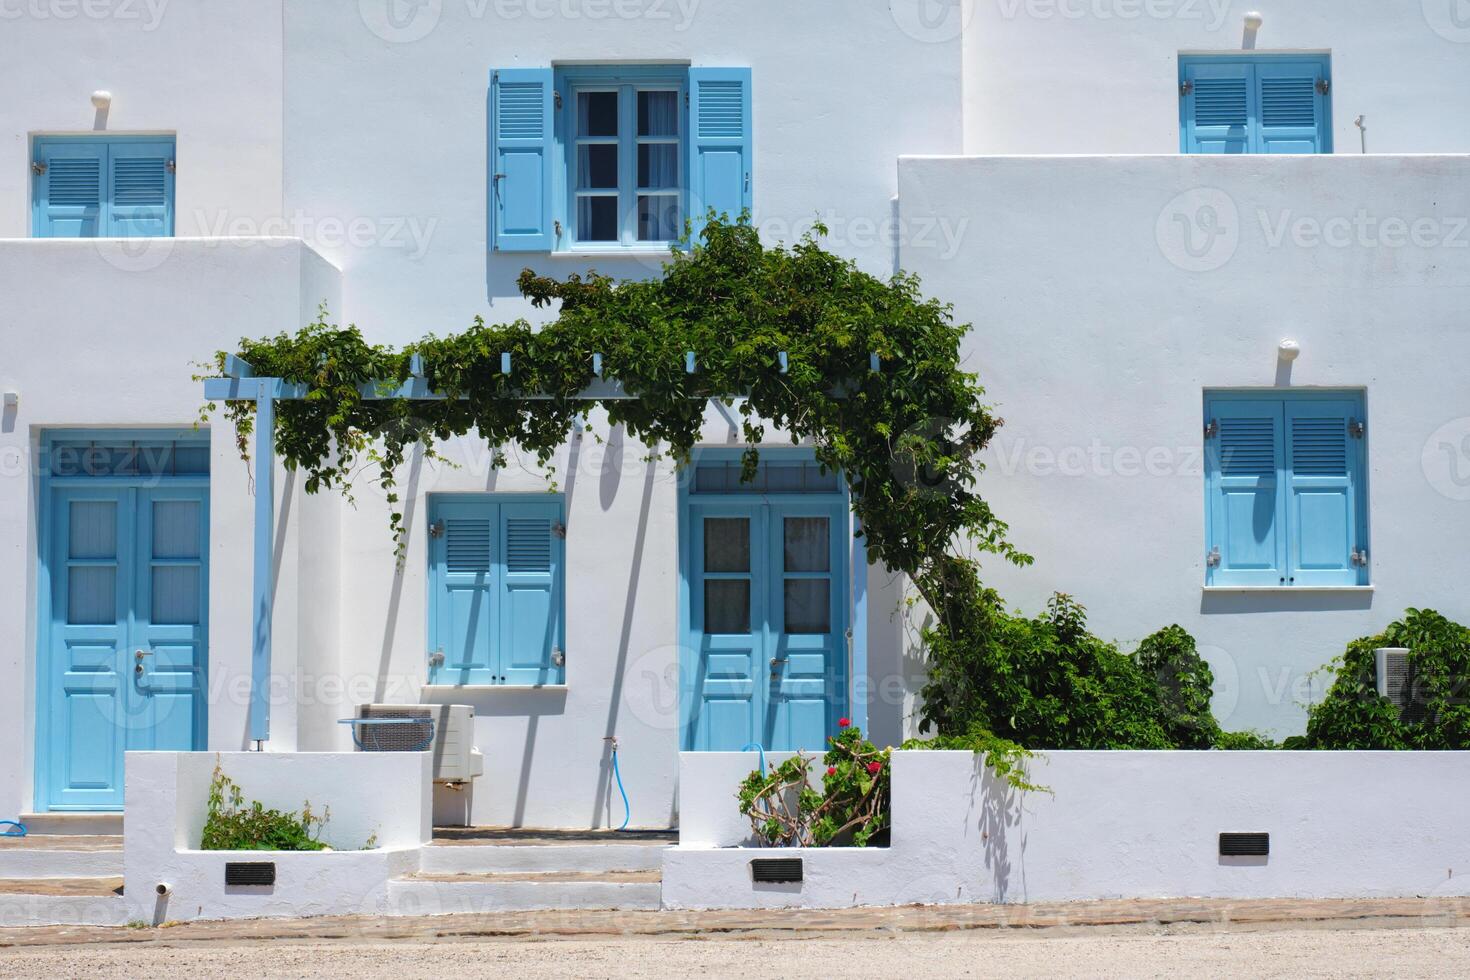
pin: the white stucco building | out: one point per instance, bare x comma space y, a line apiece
176, 176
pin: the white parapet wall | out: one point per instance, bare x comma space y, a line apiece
383, 799
1114, 824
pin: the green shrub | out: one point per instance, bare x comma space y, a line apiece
1354, 716
232, 825
785, 811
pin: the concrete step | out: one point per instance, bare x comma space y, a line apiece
433, 894
18, 862
452, 859
62, 901
73, 824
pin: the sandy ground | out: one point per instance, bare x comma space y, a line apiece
1314, 953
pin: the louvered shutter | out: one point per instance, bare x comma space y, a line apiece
1292, 113
1244, 469
720, 157
521, 140
531, 593
1216, 111
1324, 511
140, 189
68, 197
462, 574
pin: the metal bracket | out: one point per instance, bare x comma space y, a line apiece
1212, 429
1213, 558
436, 529
555, 225
172, 167
1323, 86
556, 97
1359, 557
1185, 88
436, 659
559, 658
560, 530
38, 168
1357, 428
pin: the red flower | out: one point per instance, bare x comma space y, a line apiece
873, 767
831, 770
843, 722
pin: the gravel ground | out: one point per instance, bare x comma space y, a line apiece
1314, 953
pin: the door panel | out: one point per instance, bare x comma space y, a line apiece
808, 644
726, 618
170, 620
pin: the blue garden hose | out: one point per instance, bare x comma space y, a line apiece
756, 745
19, 831
627, 810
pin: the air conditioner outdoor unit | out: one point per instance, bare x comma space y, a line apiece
1396, 679
448, 730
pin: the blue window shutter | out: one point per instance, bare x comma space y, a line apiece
1216, 111
462, 579
1292, 112
68, 197
529, 569
1325, 512
720, 150
521, 143
140, 189
1245, 477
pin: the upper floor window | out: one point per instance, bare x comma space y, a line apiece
589, 158
1286, 497
1263, 103
102, 187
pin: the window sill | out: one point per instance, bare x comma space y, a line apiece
1288, 589
611, 253
436, 689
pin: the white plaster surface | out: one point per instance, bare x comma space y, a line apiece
1115, 824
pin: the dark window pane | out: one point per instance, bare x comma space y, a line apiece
658, 113
727, 606
658, 166
597, 219
727, 544
658, 218
597, 113
808, 605
807, 544
597, 167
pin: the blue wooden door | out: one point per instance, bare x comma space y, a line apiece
124, 664
767, 615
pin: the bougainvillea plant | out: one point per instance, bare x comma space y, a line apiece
851, 809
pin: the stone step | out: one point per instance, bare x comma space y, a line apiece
452, 859
457, 894
73, 824
57, 862
62, 901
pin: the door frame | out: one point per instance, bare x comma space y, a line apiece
44, 511
854, 668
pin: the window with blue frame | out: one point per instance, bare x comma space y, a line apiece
1255, 103
610, 158
1285, 486
102, 187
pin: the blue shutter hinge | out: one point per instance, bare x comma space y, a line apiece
560, 530
556, 98
558, 658
1212, 429
1185, 88
38, 168
171, 167
436, 529
436, 659
556, 227
1323, 86
1213, 558
1357, 428
1359, 557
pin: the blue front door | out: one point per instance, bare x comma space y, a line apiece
767, 610
124, 659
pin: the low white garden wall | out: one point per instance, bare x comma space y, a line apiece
1116, 824
385, 797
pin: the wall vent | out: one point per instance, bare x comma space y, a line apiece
250, 873
1245, 845
775, 869
1395, 676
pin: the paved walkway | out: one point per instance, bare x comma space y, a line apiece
1144, 916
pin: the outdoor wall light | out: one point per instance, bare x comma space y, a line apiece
101, 99
1254, 20
1289, 350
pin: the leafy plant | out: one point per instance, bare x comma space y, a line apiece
234, 825
785, 811
1354, 716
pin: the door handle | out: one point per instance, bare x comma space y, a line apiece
140, 654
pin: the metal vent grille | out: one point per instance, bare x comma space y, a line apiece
1245, 845
1396, 681
775, 869
396, 738
250, 873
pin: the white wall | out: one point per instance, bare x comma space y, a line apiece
1095, 334
1102, 76
1114, 824
99, 336
208, 71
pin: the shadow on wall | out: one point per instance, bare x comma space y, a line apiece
1000, 820
1236, 603
503, 269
